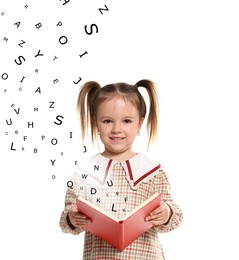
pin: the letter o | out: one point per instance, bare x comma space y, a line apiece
65, 40
54, 141
4, 76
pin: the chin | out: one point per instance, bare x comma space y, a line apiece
120, 151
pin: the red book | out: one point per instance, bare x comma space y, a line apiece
118, 232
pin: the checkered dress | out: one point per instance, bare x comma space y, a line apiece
118, 197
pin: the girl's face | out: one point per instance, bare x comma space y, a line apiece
118, 123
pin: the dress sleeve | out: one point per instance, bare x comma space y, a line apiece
161, 184
70, 200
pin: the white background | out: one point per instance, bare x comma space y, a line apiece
188, 48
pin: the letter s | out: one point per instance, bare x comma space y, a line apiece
91, 29
59, 120
19, 62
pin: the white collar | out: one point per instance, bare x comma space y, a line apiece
140, 168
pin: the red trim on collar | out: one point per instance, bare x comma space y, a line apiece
142, 177
107, 169
147, 174
129, 169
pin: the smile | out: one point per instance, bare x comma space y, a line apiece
117, 138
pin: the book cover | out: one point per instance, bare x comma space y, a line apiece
118, 232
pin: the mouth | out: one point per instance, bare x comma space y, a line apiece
117, 138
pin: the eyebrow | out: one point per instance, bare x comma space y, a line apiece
131, 117
110, 117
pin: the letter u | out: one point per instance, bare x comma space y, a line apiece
10, 122
110, 185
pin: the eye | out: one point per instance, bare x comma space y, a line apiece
107, 121
127, 121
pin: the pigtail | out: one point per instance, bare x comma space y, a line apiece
86, 109
153, 115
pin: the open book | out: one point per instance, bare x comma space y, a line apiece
118, 232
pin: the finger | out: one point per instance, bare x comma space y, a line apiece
156, 219
82, 222
157, 222
78, 214
160, 216
157, 211
75, 213
80, 217
161, 208
153, 217
78, 222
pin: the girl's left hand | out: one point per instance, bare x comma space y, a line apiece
160, 215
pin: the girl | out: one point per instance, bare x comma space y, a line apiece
119, 178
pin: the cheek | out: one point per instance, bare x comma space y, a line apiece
132, 132
103, 129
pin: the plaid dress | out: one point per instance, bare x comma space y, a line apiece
118, 187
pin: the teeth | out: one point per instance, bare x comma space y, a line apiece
116, 138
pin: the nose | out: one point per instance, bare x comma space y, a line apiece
116, 128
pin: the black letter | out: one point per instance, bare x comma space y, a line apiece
39, 54
55, 141
53, 162
20, 44
19, 58
10, 122
52, 103
38, 90
93, 191
17, 111
77, 81
66, 40
109, 184
101, 9
5, 77
66, 1
22, 79
113, 208
12, 148
91, 29
81, 55
32, 124
17, 24
96, 167
59, 120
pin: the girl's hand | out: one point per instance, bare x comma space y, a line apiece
160, 215
76, 218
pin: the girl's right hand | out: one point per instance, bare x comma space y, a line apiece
76, 218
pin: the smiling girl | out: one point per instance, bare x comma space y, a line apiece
116, 113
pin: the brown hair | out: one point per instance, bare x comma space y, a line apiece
92, 95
